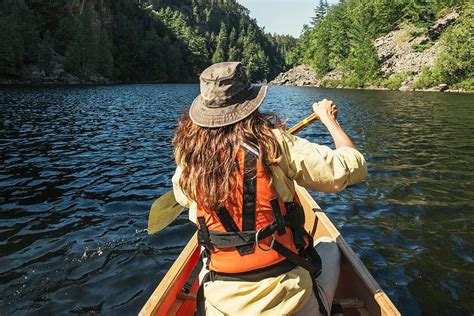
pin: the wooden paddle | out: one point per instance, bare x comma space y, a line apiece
165, 209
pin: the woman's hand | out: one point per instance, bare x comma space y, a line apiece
326, 110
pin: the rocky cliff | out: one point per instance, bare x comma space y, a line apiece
403, 54
56, 76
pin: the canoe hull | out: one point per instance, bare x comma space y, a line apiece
357, 290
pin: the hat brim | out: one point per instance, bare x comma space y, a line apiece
205, 116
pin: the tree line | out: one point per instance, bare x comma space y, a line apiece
136, 40
341, 37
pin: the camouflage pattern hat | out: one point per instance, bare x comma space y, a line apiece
227, 96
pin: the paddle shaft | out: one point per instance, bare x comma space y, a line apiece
310, 119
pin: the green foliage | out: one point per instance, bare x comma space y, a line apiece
422, 46
129, 40
220, 54
318, 58
342, 38
332, 83
455, 63
19, 38
105, 59
319, 12
394, 82
362, 62
426, 79
10, 48
467, 84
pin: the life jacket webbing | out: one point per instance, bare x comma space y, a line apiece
249, 196
249, 191
280, 221
223, 240
248, 203
231, 227
204, 234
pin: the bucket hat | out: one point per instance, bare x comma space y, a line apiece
227, 96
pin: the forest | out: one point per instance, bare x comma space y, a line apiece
174, 40
135, 41
341, 37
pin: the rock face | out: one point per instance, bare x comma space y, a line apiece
401, 51
405, 52
299, 76
56, 76
302, 76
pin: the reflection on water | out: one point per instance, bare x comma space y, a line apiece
81, 167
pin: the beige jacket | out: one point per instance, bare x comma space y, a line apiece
311, 166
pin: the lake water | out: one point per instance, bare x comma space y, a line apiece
81, 166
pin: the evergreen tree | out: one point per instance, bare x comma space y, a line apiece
338, 41
319, 58
220, 53
362, 60
319, 12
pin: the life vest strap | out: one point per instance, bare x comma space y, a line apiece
296, 259
233, 230
204, 234
280, 221
249, 193
223, 240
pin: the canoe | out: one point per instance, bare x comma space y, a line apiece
357, 292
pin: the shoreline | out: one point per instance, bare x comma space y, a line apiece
376, 89
29, 84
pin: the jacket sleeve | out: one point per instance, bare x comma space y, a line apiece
320, 167
180, 197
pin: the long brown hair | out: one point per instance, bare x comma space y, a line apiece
208, 155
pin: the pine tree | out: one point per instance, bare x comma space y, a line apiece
362, 60
338, 36
220, 54
319, 12
320, 56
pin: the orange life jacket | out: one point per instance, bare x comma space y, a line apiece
255, 229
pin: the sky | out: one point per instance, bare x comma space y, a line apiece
282, 16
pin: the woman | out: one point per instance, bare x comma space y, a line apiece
236, 173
